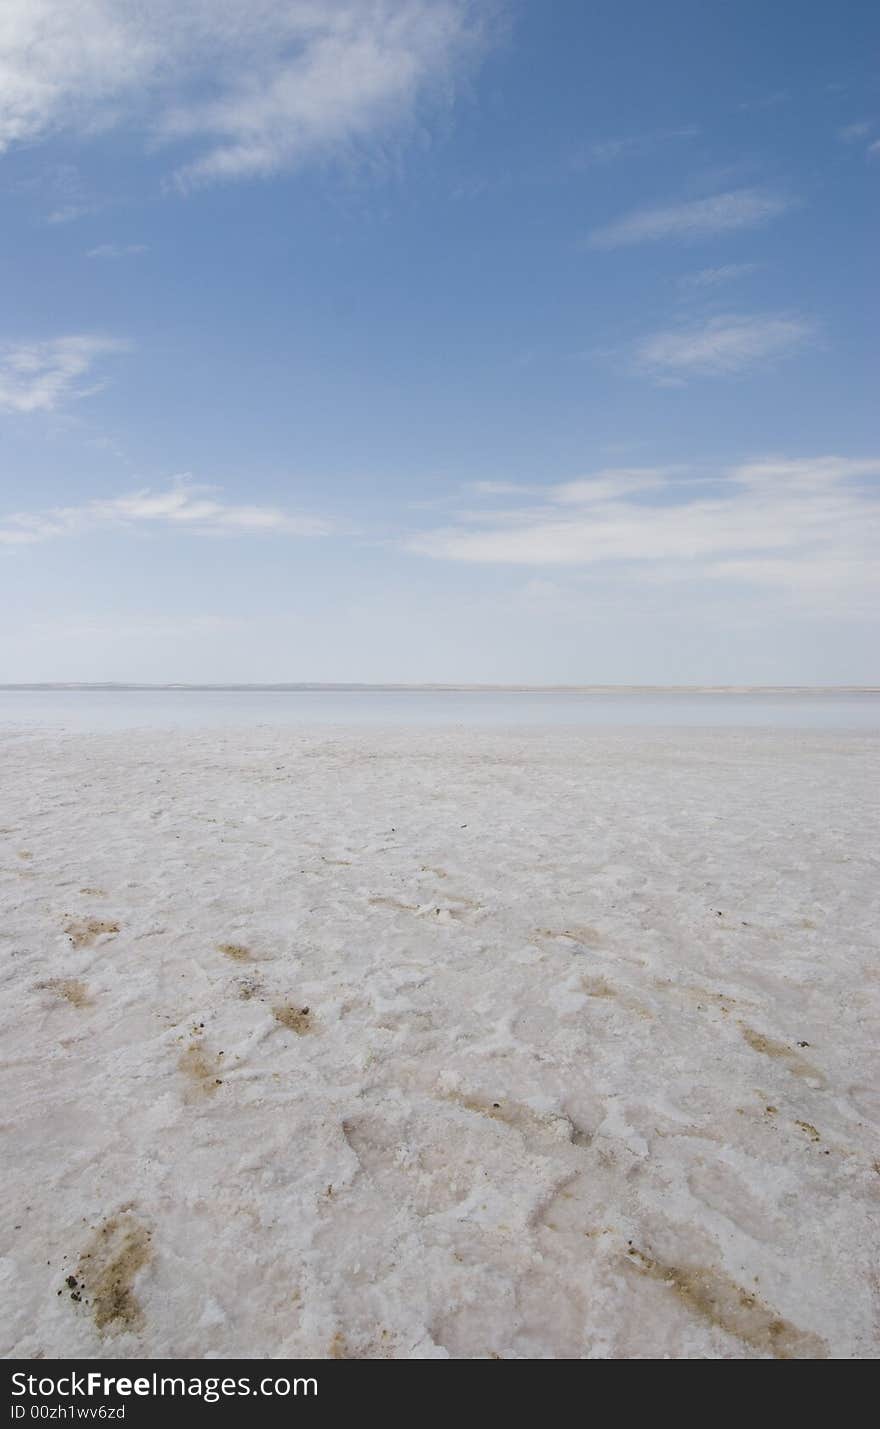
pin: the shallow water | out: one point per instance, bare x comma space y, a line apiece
121, 708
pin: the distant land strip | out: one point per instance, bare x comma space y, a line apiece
304, 687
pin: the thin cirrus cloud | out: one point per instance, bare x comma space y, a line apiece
695, 219
851, 133
70, 212
723, 346
246, 89
708, 278
184, 506
633, 146
862, 130
117, 250
40, 376
808, 527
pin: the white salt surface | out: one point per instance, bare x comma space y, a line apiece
588, 1067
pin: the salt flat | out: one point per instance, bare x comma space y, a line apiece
428, 1042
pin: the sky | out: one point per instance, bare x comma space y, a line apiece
490, 341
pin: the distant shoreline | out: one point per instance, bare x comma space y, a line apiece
305, 688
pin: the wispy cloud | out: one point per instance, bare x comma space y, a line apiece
720, 346
697, 218
852, 133
766, 101
632, 146
70, 212
716, 277
184, 506
610, 482
60, 186
498, 488
39, 376
116, 250
247, 88
807, 526
859, 132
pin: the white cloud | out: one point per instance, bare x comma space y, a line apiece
608, 151
185, 505
863, 129
766, 101
851, 133
498, 488
116, 250
719, 346
604, 485
249, 86
611, 484
37, 376
59, 185
809, 527
698, 218
716, 277
70, 212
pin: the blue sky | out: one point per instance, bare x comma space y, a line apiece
433, 340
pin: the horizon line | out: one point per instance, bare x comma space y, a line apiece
433, 687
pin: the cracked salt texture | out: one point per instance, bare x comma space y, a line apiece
428, 1042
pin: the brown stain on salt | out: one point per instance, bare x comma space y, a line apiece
597, 987
495, 1110
516, 1115
200, 1068
723, 1303
236, 951
703, 996
107, 1270
770, 1048
594, 985
68, 988
84, 932
810, 1129
575, 933
297, 1019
